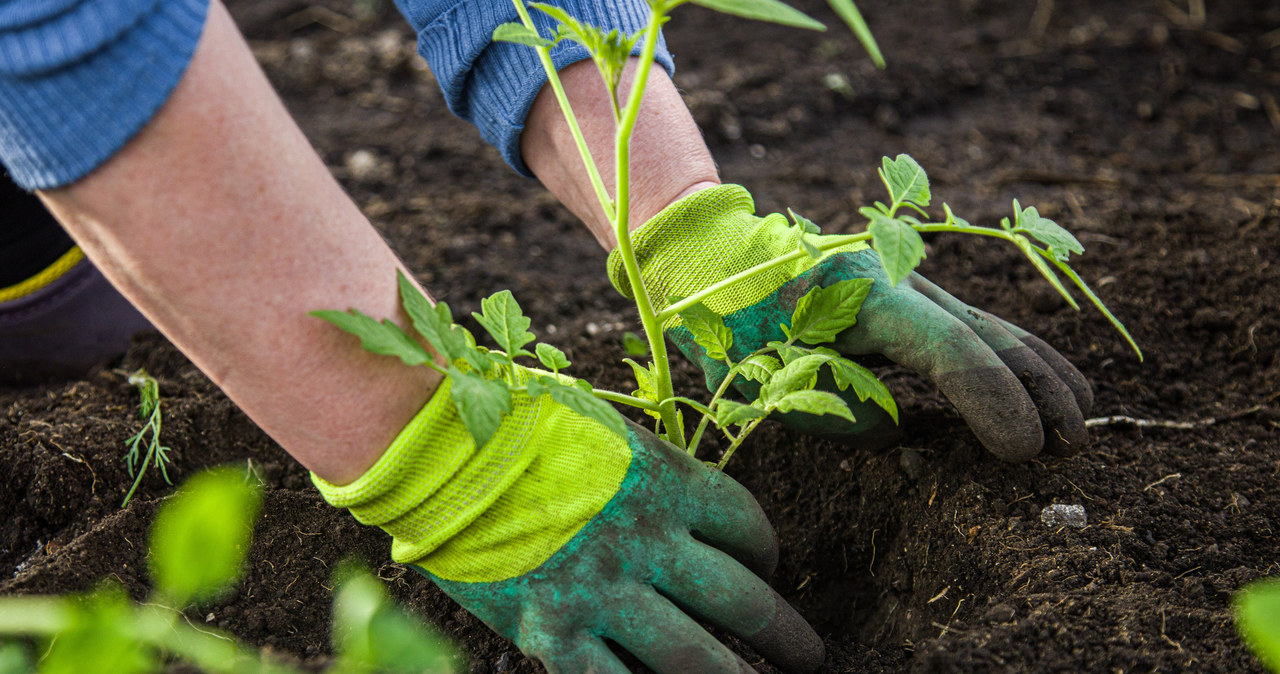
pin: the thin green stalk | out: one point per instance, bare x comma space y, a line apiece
728, 453
648, 317
834, 242
624, 399
553, 78
707, 418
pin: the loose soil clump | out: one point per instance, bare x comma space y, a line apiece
1150, 135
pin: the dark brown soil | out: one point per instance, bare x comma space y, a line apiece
1156, 140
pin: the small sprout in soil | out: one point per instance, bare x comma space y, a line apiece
146, 443
198, 547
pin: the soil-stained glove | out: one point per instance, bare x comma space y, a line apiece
560, 534
1014, 390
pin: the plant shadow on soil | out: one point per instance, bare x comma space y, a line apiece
1152, 137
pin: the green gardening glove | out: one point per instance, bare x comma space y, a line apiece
1014, 390
560, 534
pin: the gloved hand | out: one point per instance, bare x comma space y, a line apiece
1017, 393
560, 534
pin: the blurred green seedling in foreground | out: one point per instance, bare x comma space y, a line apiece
199, 542
1257, 612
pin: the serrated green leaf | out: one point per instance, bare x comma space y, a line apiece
864, 382
551, 358
435, 324
771, 11
853, 18
481, 403
1058, 240
814, 402
1045, 270
385, 338
634, 345
730, 413
787, 352
581, 401
708, 331
646, 382
906, 180
1257, 613
900, 247
759, 368
202, 534
502, 318
824, 313
519, 34
798, 375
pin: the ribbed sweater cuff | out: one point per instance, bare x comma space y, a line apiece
493, 84
76, 86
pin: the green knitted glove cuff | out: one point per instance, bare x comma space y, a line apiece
705, 238
433, 482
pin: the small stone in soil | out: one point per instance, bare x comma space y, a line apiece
1061, 514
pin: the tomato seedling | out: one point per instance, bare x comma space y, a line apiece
785, 370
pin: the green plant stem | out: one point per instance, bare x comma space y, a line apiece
737, 442
707, 418
664, 389
834, 242
553, 79
624, 399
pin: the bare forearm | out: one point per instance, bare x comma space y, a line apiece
223, 226
668, 156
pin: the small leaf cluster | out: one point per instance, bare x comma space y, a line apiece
145, 444
787, 371
199, 542
482, 380
896, 235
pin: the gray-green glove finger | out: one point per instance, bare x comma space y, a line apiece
1067, 372
585, 653
912, 330
717, 589
666, 639
730, 519
1060, 413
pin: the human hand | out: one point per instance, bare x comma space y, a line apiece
560, 534
1017, 393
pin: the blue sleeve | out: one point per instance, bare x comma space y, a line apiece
78, 78
493, 84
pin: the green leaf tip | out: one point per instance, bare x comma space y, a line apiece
502, 318
551, 358
709, 331
906, 180
771, 11
848, 12
824, 313
480, 402
899, 245
520, 34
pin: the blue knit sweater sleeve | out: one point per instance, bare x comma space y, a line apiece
493, 84
78, 78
